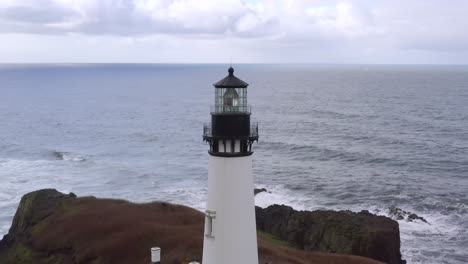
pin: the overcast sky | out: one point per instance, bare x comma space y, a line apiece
263, 31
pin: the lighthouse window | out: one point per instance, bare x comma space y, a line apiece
209, 217
243, 145
231, 100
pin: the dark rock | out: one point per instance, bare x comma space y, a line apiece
366, 213
399, 214
58, 154
413, 217
343, 232
33, 208
396, 213
259, 190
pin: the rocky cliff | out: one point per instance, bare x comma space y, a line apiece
344, 232
50, 227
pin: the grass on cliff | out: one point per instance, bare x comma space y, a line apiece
23, 253
90, 230
272, 239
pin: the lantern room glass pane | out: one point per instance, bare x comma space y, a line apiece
231, 100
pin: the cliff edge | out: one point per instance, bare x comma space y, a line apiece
52, 227
343, 232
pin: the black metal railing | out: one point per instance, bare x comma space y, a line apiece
227, 109
207, 132
254, 129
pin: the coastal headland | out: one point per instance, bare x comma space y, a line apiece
52, 227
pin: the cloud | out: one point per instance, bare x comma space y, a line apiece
268, 28
432, 25
125, 17
413, 23
33, 14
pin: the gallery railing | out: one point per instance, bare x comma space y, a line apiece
228, 109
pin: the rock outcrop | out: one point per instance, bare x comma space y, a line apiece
343, 232
52, 228
34, 207
259, 190
400, 214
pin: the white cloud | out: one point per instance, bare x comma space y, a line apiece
340, 26
122, 17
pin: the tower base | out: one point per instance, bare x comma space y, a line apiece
230, 228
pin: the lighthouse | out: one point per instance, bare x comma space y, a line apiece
230, 230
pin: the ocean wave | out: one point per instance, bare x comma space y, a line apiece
281, 195
320, 113
68, 156
308, 152
145, 137
12, 165
367, 156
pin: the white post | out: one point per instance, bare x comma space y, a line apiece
155, 255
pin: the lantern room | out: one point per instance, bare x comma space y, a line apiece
231, 95
230, 132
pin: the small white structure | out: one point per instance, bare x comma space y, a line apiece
155, 255
230, 229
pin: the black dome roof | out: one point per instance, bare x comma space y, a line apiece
231, 81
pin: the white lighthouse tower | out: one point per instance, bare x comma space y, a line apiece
230, 229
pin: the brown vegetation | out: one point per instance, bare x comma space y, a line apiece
114, 231
90, 230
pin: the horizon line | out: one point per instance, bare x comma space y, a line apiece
227, 63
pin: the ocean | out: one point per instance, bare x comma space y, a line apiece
341, 137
